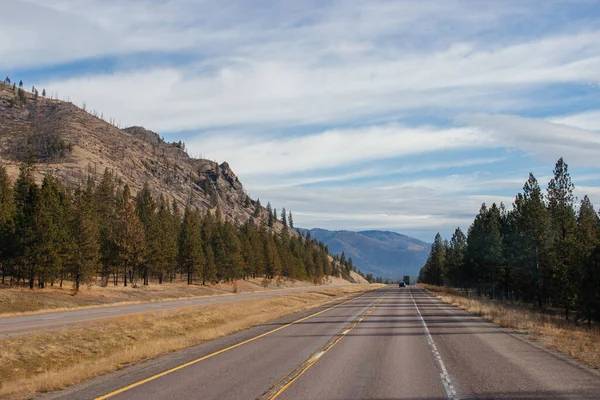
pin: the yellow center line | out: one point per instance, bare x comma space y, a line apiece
317, 356
133, 385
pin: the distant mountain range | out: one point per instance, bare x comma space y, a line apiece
382, 253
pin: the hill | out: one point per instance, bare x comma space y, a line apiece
72, 143
381, 253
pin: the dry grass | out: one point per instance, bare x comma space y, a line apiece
54, 360
16, 301
577, 340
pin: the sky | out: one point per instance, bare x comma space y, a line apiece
395, 115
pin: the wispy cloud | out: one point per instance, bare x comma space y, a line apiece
391, 114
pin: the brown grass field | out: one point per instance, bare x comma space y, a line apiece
22, 300
52, 360
552, 330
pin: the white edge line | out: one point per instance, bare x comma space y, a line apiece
445, 377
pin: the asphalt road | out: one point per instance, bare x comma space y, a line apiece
22, 324
392, 343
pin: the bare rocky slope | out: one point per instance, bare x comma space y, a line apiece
71, 143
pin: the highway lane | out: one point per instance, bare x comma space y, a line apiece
245, 371
393, 343
465, 358
22, 324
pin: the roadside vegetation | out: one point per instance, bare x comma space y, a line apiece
534, 268
51, 234
578, 340
545, 251
41, 362
21, 300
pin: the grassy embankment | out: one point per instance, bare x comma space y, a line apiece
22, 300
53, 360
575, 339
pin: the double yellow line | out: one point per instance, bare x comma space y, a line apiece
143, 381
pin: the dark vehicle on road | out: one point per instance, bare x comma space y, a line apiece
402, 284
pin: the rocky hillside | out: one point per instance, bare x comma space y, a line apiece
382, 253
71, 143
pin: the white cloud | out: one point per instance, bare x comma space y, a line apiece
332, 148
544, 139
286, 64
589, 120
355, 72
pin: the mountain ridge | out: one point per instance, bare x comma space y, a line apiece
382, 253
72, 144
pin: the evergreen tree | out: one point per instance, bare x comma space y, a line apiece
270, 220
284, 218
27, 198
455, 258
85, 249
52, 229
166, 237
533, 224
563, 221
257, 209
7, 215
104, 205
191, 257
232, 260
209, 272
588, 250
290, 220
129, 237
146, 212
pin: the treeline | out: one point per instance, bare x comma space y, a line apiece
50, 233
346, 265
545, 250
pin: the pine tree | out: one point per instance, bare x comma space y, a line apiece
209, 272
104, 205
129, 237
455, 258
533, 225
146, 212
27, 198
588, 279
284, 218
270, 220
290, 220
44, 93
52, 229
85, 238
191, 257
257, 209
232, 261
167, 236
562, 215
7, 215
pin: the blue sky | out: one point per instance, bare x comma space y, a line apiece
398, 115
